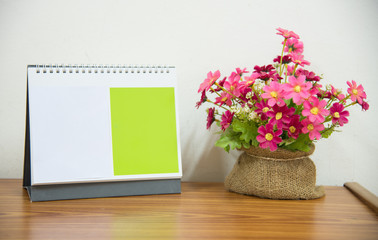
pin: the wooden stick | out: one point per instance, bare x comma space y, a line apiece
363, 194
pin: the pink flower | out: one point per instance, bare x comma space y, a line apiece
210, 117
294, 127
316, 88
280, 115
338, 114
313, 128
298, 59
337, 93
294, 46
268, 138
286, 33
224, 98
290, 70
314, 109
297, 89
274, 93
233, 85
209, 81
240, 72
202, 100
226, 120
356, 93
249, 80
262, 110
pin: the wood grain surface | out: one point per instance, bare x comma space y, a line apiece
202, 211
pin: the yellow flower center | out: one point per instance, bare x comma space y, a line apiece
278, 115
297, 89
273, 94
292, 129
336, 114
310, 127
224, 99
314, 110
355, 91
269, 136
265, 109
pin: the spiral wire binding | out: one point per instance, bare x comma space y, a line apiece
94, 68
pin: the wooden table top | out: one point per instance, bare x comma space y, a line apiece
202, 211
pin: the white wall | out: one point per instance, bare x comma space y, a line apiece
340, 39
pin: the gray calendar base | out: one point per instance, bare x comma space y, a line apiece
102, 189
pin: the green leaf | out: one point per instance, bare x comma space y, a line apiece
327, 132
229, 140
302, 143
247, 129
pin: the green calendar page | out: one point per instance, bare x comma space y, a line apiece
143, 130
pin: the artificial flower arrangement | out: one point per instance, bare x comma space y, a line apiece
277, 105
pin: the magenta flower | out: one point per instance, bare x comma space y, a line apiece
210, 117
224, 98
365, 106
220, 83
266, 72
202, 100
313, 128
310, 76
338, 114
285, 59
268, 138
356, 93
209, 81
226, 120
286, 33
294, 127
314, 109
280, 115
298, 59
297, 89
293, 46
274, 93
262, 110
243, 94
323, 94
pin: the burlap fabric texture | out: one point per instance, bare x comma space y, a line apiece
281, 174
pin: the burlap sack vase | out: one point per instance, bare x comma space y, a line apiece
281, 174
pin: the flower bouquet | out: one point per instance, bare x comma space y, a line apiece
280, 105
276, 113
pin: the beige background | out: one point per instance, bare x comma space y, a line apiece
197, 36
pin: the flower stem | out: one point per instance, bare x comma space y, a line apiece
283, 48
286, 73
216, 104
215, 91
351, 104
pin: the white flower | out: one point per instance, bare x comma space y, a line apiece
252, 115
233, 109
259, 84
